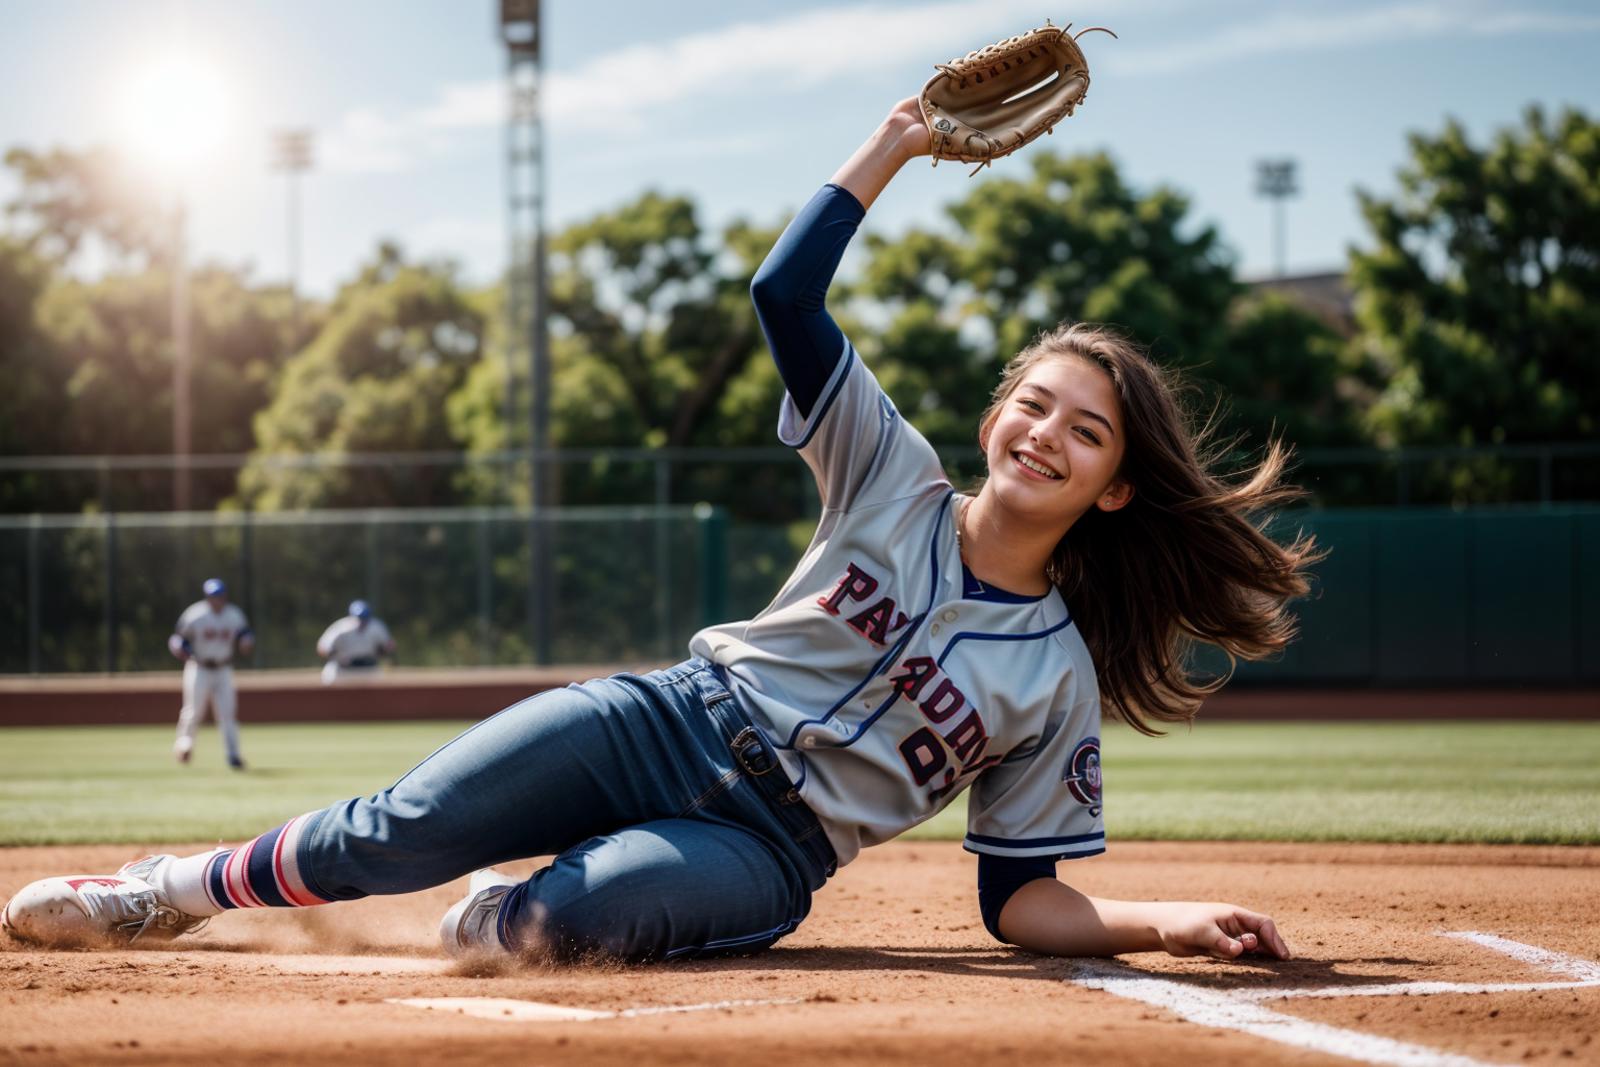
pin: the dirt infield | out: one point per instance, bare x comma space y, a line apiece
894, 966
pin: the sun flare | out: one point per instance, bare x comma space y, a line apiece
172, 111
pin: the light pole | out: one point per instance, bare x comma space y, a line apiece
291, 154
1275, 180
182, 357
172, 112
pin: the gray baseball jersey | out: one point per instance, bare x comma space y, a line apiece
888, 680
346, 640
211, 634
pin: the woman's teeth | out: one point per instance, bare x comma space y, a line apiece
1036, 466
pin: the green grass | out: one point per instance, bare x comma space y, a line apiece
113, 784
1464, 782
1490, 782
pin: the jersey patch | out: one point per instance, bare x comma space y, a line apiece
1082, 776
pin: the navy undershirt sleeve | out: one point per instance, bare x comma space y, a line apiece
790, 288
1001, 876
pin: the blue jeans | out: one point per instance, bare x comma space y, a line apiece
674, 829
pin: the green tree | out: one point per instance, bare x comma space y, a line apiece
654, 344
96, 376
399, 341
33, 402
1480, 296
1294, 375
66, 199
651, 301
1072, 240
111, 341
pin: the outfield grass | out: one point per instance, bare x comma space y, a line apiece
1464, 782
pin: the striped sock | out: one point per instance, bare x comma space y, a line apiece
264, 873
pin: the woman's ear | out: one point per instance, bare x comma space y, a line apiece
1116, 496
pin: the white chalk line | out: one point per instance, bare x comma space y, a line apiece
1559, 962
1405, 989
1242, 1010
503, 1009
1209, 1007
1584, 972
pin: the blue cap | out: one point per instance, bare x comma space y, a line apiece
214, 587
361, 609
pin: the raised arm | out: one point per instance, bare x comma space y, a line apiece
900, 138
790, 289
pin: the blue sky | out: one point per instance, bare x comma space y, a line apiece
749, 106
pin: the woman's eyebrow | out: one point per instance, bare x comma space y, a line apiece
1097, 417
1085, 412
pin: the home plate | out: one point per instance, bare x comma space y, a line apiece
532, 1011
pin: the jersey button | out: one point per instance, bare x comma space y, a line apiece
949, 615
934, 629
809, 742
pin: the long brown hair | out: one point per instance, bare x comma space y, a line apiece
1186, 560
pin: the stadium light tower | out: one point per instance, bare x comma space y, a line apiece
291, 154
1275, 180
526, 287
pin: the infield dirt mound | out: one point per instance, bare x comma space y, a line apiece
893, 966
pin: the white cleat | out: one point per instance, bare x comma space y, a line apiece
471, 926
95, 910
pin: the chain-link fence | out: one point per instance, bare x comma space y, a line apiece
1425, 596
101, 593
764, 485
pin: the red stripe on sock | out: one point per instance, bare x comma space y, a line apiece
230, 881
289, 892
246, 896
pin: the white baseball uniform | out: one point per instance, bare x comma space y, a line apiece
351, 649
210, 638
889, 680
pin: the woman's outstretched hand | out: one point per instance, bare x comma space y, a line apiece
1222, 931
910, 128
899, 138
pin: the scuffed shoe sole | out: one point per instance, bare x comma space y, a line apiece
91, 911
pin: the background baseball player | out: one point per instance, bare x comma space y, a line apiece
354, 644
927, 642
208, 634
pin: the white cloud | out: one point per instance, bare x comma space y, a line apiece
621, 91
470, 105
368, 142
628, 90
805, 50
717, 146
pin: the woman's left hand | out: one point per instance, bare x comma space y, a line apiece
1222, 931
909, 129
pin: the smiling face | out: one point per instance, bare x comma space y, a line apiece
1056, 443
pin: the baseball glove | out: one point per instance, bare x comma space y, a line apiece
997, 99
